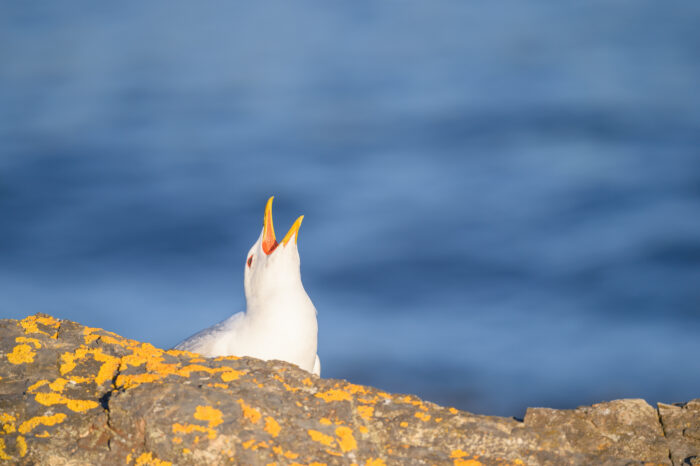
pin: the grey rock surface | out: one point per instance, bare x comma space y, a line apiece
74, 395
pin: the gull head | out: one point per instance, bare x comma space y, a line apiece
272, 270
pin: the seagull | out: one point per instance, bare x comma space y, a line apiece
280, 320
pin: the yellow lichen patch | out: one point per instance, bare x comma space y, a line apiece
218, 385
287, 454
206, 413
48, 321
458, 454
29, 324
438, 419
453, 411
250, 413
21, 446
272, 427
408, 400
44, 434
403, 424
49, 399
107, 369
30, 424
147, 459
131, 381
186, 451
366, 412
3, 454
21, 354
461, 462
334, 395
68, 359
346, 440
320, 437
325, 421
178, 353
248, 443
375, 462
80, 405
58, 385
33, 341
307, 381
230, 375
176, 440
8, 428
189, 428
422, 416
354, 389
364, 429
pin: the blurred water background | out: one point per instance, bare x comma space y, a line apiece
502, 199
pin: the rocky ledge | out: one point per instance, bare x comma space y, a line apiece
71, 394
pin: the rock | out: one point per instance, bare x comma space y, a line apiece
73, 395
681, 425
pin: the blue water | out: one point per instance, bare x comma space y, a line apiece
501, 199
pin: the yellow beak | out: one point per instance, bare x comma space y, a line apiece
269, 241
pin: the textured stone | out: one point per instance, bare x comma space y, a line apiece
681, 425
71, 394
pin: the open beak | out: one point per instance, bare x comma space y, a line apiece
269, 241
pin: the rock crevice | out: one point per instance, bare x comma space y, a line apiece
71, 394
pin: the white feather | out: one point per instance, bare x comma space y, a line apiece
279, 321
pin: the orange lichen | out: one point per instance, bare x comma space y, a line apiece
48, 399
320, 437
366, 412
30, 424
248, 443
354, 389
147, 459
8, 421
287, 454
207, 413
21, 446
189, 428
21, 354
472, 462
422, 416
272, 427
3, 454
33, 341
334, 395
346, 440
80, 405
36, 385
375, 462
29, 324
364, 429
403, 424
307, 381
250, 413
230, 375
58, 385
453, 411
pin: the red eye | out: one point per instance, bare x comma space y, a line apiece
250, 261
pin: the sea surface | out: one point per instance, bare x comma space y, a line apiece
501, 199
